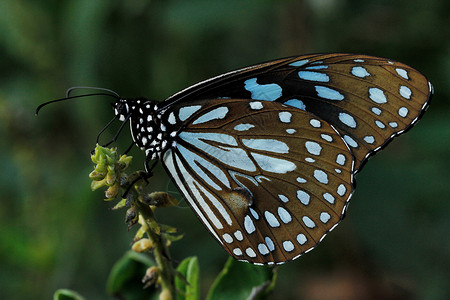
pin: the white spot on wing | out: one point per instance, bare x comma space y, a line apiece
243, 127
262, 248
237, 251
270, 145
272, 164
321, 176
308, 222
313, 76
376, 111
271, 219
315, 123
248, 225
402, 73
405, 92
217, 113
313, 148
231, 156
284, 215
285, 116
254, 213
325, 217
360, 72
250, 252
299, 63
369, 139
283, 198
187, 111
227, 238
326, 137
269, 243
328, 197
301, 239
403, 112
350, 141
377, 95
347, 120
291, 131
380, 124
296, 103
393, 124
256, 105
288, 246
317, 67
303, 196
301, 180
328, 93
341, 190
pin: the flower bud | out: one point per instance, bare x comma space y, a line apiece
165, 295
143, 245
94, 175
110, 178
112, 191
131, 216
160, 199
97, 184
150, 277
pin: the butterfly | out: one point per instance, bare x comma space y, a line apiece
267, 155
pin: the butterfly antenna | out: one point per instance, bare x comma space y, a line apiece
91, 88
115, 96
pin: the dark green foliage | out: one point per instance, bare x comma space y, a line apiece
55, 233
65, 294
239, 280
187, 282
125, 279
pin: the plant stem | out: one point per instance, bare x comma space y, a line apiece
160, 250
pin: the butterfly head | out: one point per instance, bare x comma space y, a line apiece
121, 109
147, 130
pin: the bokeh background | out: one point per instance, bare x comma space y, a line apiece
56, 233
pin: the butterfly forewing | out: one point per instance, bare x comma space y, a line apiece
369, 100
268, 180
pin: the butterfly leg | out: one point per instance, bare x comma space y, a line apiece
143, 175
129, 148
117, 133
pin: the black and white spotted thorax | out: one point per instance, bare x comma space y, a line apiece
149, 125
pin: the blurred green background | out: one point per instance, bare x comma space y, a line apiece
56, 233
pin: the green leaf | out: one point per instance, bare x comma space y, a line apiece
188, 286
240, 280
125, 278
66, 294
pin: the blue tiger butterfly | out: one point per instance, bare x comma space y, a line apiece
266, 155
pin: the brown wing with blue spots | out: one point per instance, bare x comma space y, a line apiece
267, 196
369, 100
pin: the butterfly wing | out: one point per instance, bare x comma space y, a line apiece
369, 100
266, 195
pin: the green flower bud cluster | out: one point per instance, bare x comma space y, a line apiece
108, 169
109, 172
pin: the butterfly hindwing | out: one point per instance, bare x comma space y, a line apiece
268, 180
